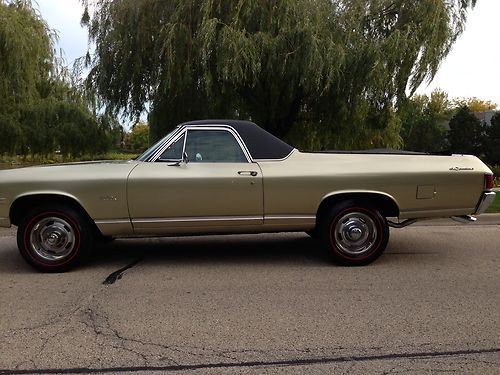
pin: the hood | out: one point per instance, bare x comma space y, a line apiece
77, 171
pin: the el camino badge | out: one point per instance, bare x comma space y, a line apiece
461, 169
108, 198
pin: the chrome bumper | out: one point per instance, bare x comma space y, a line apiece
486, 200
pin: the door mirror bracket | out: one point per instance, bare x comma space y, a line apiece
184, 160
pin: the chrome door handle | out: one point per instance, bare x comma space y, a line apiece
247, 173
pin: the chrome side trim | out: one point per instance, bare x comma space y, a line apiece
289, 217
486, 200
112, 221
194, 219
115, 227
160, 220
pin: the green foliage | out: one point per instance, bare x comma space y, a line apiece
26, 52
496, 174
424, 133
495, 206
466, 133
475, 104
41, 109
139, 137
423, 120
492, 141
334, 70
439, 105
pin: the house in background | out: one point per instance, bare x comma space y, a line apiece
485, 116
481, 116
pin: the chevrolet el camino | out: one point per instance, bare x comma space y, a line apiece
224, 176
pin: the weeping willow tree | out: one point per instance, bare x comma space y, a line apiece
41, 107
324, 73
26, 54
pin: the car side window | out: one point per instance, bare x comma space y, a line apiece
213, 146
174, 151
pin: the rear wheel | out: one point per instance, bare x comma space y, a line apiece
54, 238
356, 234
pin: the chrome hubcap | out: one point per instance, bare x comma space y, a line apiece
355, 233
52, 238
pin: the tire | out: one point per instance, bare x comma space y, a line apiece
355, 234
54, 238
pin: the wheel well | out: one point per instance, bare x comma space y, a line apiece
387, 206
23, 205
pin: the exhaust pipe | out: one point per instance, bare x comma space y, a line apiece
402, 224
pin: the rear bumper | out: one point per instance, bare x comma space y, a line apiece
486, 200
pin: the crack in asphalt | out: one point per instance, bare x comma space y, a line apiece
117, 275
99, 323
91, 315
60, 318
290, 362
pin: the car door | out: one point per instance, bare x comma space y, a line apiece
204, 181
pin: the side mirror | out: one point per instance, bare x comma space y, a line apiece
184, 160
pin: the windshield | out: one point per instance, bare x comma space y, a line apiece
150, 151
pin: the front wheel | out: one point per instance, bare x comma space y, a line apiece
54, 238
356, 234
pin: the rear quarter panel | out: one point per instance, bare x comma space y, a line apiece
298, 184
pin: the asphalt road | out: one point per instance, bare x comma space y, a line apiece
261, 304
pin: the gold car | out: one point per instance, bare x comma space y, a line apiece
224, 176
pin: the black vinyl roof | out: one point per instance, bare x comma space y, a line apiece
260, 143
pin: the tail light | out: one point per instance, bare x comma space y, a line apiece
488, 182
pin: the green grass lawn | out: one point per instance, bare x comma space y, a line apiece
495, 207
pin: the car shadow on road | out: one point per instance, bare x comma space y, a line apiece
263, 249
231, 249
